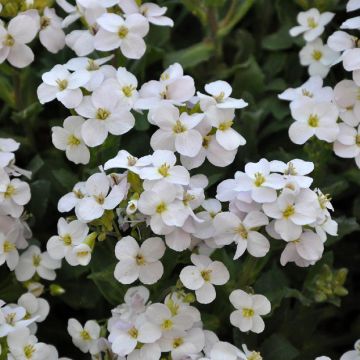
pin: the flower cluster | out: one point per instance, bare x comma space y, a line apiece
18, 327
140, 329
316, 109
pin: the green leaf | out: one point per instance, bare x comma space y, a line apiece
277, 347
346, 226
281, 40
191, 56
40, 192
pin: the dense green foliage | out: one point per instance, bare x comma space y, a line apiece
245, 42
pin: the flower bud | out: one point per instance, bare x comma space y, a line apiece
56, 290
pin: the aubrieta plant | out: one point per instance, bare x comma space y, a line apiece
166, 240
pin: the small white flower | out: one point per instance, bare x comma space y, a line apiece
176, 131
32, 262
314, 118
100, 197
85, 338
124, 160
305, 250
126, 34
220, 92
8, 250
249, 309
70, 200
139, 262
152, 12
352, 354
347, 144
12, 318
202, 277
318, 57
231, 228
69, 139
70, 235
7, 149
312, 24
21, 30
106, 114
62, 85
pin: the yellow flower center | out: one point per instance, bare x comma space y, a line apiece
123, 31
8, 246
290, 170
242, 231
289, 211
85, 335
102, 114
259, 179
82, 254
133, 332
254, 356
128, 90
131, 160
317, 55
44, 22
9, 40
92, 65
220, 97
62, 84
73, 140
248, 312
164, 170
100, 199
10, 318
179, 127
312, 23
36, 260
206, 141
173, 307
177, 342
206, 275
313, 121
357, 140
324, 199
161, 208
226, 125
10, 191
29, 351
167, 324
140, 260
307, 93
67, 240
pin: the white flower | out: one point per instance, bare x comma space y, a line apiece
352, 354
95, 67
21, 30
176, 131
183, 344
346, 94
126, 34
173, 87
318, 57
258, 179
125, 337
70, 235
249, 309
220, 92
312, 88
352, 5
81, 41
163, 207
36, 308
163, 167
14, 194
8, 250
314, 118
7, 149
106, 114
62, 85
347, 144
32, 262
100, 197
312, 24
85, 338
12, 318
305, 250
69, 139
97, 3
125, 84
22, 345
294, 170
153, 12
139, 262
202, 277
124, 160
222, 120
161, 315
70, 200
231, 228
292, 211
51, 34
207, 229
